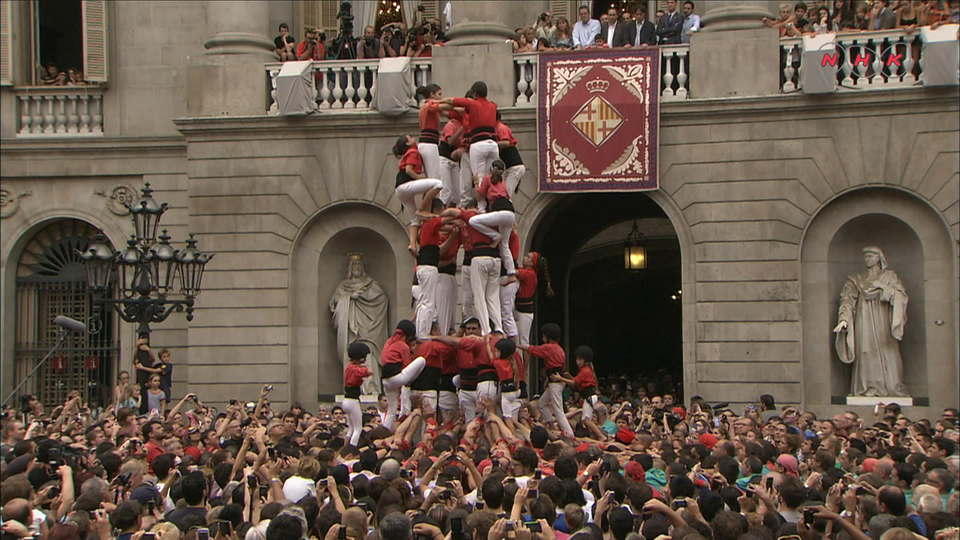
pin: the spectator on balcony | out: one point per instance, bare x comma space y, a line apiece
394, 33
691, 22
286, 44
670, 26
610, 27
822, 23
844, 16
51, 76
599, 42
585, 29
545, 28
521, 45
75, 78
861, 20
530, 33
931, 12
369, 46
640, 32
310, 48
882, 17
909, 14
801, 22
562, 37
786, 22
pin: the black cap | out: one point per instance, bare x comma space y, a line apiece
506, 347
407, 327
357, 350
551, 330
584, 352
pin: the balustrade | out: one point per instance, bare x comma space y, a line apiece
58, 111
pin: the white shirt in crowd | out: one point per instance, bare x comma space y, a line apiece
585, 33
690, 23
296, 488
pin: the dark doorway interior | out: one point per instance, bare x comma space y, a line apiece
632, 320
61, 33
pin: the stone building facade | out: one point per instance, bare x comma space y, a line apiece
767, 195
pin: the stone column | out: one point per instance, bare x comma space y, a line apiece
478, 48
735, 54
229, 79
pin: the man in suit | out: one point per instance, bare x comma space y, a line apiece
610, 28
884, 18
670, 26
636, 33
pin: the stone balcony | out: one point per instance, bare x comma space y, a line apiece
59, 111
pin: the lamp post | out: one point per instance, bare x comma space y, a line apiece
148, 271
635, 250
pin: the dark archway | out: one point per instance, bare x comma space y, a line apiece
633, 321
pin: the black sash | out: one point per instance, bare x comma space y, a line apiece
429, 256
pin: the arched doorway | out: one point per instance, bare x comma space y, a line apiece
632, 320
51, 281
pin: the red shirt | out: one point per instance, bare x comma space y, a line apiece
483, 112
528, 282
492, 191
514, 245
193, 452
412, 157
504, 369
452, 249
552, 353
585, 378
450, 129
153, 450
433, 352
318, 52
477, 347
474, 237
396, 350
430, 232
430, 116
504, 134
465, 121
354, 374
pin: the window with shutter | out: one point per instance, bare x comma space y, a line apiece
94, 14
431, 8
6, 42
560, 8
320, 14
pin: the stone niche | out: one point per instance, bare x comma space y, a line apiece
318, 264
917, 246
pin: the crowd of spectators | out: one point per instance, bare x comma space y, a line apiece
822, 16
392, 40
655, 469
52, 75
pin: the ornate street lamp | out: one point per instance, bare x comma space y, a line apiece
148, 271
635, 250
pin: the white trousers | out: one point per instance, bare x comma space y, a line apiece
450, 176
468, 403
512, 177
430, 154
446, 302
427, 397
466, 180
508, 299
510, 403
448, 401
407, 193
482, 156
497, 226
485, 281
489, 390
467, 288
524, 325
354, 419
392, 386
427, 303
552, 399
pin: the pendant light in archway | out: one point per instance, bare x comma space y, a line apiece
635, 250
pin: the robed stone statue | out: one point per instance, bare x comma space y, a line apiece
873, 312
359, 308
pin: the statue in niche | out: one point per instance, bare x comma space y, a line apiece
359, 308
873, 312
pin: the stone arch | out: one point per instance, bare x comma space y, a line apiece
544, 207
22, 232
919, 248
317, 264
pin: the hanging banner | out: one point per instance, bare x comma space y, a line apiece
599, 120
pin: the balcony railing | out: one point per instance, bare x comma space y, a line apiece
348, 84
853, 76
60, 111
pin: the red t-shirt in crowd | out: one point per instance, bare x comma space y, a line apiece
477, 346
153, 450
430, 116
396, 350
528, 282
504, 369
493, 192
585, 378
483, 112
552, 353
430, 232
354, 374
474, 237
450, 128
514, 245
504, 134
434, 352
412, 157
193, 452
452, 249
318, 52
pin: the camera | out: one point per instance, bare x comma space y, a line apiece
808, 516
151, 506
533, 526
680, 503
368, 40
446, 495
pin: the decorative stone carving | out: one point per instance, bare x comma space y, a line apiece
873, 313
10, 203
119, 198
359, 308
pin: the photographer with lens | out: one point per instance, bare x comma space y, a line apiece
310, 48
370, 46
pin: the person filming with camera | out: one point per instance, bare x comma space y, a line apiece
310, 48
371, 47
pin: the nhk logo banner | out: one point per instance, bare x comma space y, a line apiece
599, 117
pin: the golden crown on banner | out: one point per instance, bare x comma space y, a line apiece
355, 256
597, 85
